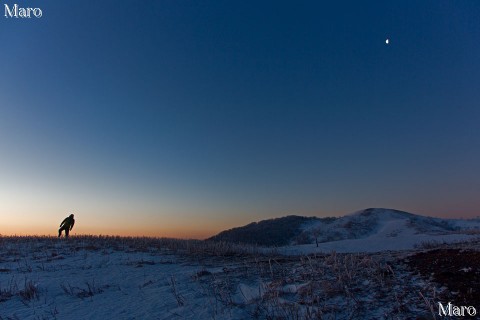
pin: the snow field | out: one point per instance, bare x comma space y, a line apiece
130, 278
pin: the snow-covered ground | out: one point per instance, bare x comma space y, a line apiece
378, 229
129, 278
393, 234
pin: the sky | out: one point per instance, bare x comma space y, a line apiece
185, 118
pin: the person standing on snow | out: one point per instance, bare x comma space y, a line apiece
66, 225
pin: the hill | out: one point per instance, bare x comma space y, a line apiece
272, 232
373, 223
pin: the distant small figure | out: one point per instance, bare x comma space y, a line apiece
66, 225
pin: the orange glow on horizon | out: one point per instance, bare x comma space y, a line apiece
22, 222
179, 233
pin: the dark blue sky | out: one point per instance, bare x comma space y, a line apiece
222, 112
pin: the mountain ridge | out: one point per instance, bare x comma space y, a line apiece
301, 230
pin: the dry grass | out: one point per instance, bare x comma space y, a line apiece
322, 286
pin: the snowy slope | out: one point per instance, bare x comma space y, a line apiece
368, 222
374, 230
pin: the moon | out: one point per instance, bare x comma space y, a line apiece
387, 41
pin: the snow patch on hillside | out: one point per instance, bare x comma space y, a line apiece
375, 230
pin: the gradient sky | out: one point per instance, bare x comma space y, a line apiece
183, 118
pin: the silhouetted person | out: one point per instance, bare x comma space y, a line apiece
66, 225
